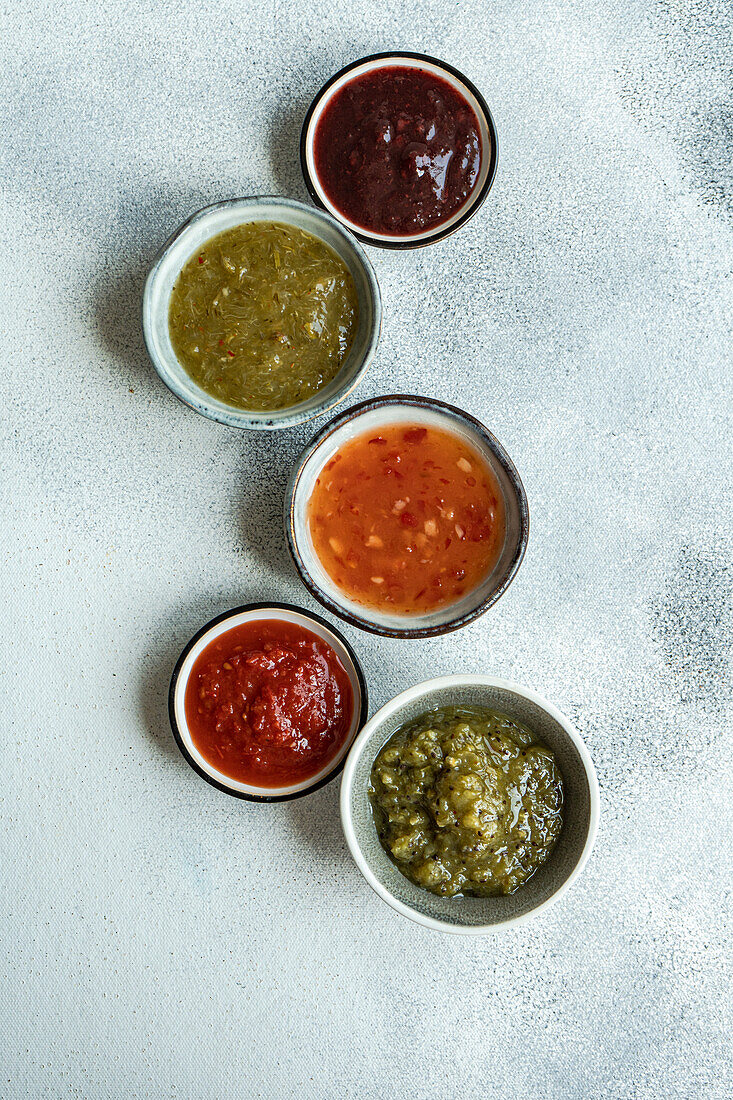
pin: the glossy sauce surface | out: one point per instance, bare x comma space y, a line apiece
466, 801
398, 150
407, 518
268, 703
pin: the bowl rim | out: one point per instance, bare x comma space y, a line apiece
269, 605
244, 420
361, 621
411, 695
441, 232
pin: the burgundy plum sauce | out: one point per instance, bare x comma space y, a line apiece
398, 151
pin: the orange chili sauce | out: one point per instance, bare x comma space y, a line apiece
407, 518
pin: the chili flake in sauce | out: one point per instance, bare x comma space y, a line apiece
407, 518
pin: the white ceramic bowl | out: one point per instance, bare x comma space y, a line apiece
473, 916
220, 625
209, 222
370, 416
487, 129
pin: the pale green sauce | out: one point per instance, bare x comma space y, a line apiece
263, 316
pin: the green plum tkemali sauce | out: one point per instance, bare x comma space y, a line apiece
263, 316
466, 801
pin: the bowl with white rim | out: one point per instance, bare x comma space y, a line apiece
260, 612
424, 63
581, 807
370, 416
218, 218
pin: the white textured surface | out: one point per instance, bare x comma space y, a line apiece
163, 940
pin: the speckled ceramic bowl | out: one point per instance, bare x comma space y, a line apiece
370, 416
550, 881
457, 80
216, 219
179, 682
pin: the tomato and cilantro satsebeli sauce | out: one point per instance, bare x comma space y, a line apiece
268, 703
407, 518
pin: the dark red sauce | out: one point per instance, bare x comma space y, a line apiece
398, 151
269, 703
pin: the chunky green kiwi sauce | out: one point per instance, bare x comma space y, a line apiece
466, 801
263, 315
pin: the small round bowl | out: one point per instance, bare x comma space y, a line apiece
179, 681
457, 80
370, 416
467, 915
211, 221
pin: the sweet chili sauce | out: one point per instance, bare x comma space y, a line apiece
407, 518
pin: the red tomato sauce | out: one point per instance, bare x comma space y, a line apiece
398, 150
407, 518
268, 703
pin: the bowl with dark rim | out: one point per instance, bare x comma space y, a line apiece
461, 84
370, 416
552, 879
210, 222
220, 625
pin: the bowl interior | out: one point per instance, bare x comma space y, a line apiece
189, 238
580, 809
256, 614
377, 414
488, 158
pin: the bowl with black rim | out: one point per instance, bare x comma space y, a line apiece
370, 416
431, 66
220, 625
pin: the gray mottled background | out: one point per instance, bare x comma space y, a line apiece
163, 940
